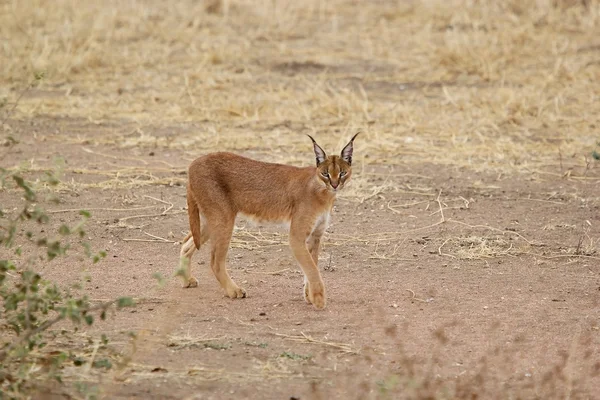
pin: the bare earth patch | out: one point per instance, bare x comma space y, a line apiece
463, 262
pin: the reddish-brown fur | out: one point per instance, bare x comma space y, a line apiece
222, 185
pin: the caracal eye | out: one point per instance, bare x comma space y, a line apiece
325, 174
342, 173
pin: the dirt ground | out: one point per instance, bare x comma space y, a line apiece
497, 296
463, 261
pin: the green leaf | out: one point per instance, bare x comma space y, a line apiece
596, 155
125, 302
99, 256
29, 193
89, 319
159, 278
79, 361
52, 179
64, 230
102, 363
86, 249
295, 356
39, 215
85, 213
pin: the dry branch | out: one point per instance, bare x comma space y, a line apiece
303, 338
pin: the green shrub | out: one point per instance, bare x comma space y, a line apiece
31, 305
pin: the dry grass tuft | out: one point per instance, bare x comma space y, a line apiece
303, 338
477, 248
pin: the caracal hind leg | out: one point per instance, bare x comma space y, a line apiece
314, 288
220, 237
188, 248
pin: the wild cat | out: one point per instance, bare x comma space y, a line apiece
222, 185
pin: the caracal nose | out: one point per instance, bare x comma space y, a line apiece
334, 184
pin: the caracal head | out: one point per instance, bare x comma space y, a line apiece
334, 171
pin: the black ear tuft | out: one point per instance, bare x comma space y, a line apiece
319, 153
347, 150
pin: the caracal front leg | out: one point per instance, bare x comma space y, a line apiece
314, 246
314, 288
220, 237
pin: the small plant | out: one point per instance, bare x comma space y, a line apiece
216, 346
37, 78
32, 305
595, 153
295, 356
388, 384
253, 344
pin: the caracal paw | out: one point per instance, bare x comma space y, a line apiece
316, 295
191, 283
235, 292
318, 300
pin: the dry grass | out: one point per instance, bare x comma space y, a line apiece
477, 248
493, 85
303, 338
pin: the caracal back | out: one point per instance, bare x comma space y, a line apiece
223, 185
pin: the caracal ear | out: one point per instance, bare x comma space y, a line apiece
319, 153
347, 150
